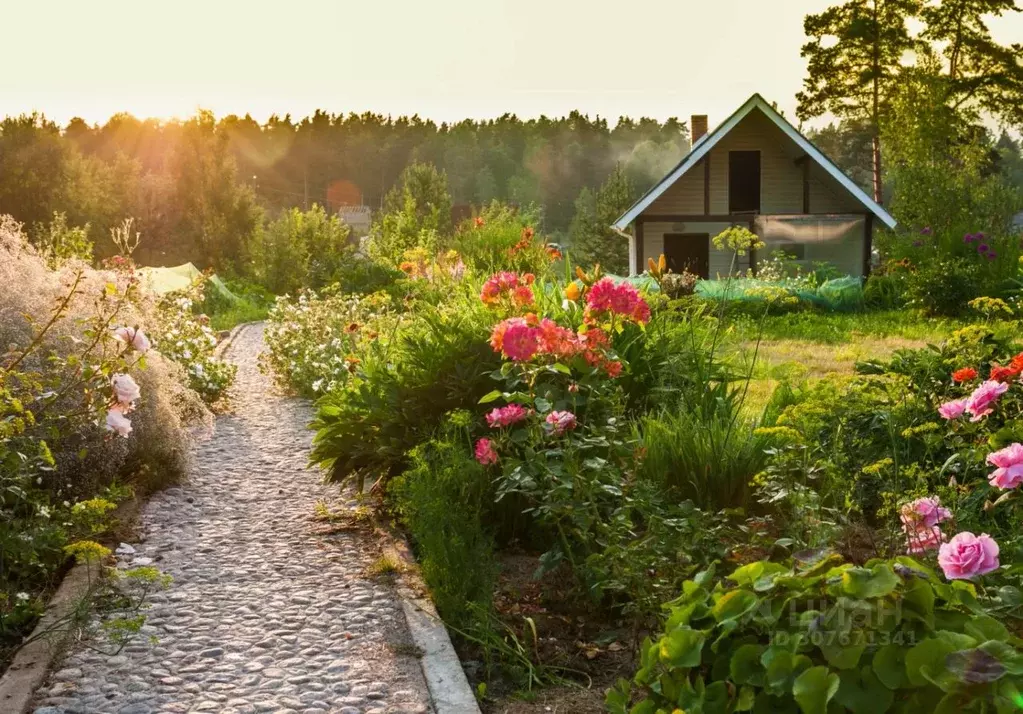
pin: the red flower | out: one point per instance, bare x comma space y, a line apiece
965, 374
527, 233
479, 221
1003, 374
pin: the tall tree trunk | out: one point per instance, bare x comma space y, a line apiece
876, 161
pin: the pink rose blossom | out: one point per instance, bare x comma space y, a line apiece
953, 409
979, 404
506, 416
133, 336
920, 538
520, 342
126, 390
116, 421
925, 512
967, 555
560, 422
622, 299
485, 452
1009, 461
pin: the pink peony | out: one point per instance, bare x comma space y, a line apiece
520, 341
506, 416
953, 409
560, 422
1009, 461
621, 299
133, 336
925, 512
967, 555
116, 421
126, 390
920, 539
979, 404
485, 452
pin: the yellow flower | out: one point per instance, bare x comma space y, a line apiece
572, 292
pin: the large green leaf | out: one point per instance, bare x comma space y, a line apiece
888, 666
734, 604
681, 648
745, 667
861, 692
864, 583
814, 688
927, 656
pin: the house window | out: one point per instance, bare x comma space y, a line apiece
743, 181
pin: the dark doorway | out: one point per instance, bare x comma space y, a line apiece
743, 181
688, 251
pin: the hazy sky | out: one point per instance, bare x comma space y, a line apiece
442, 59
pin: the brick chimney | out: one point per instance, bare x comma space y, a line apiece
697, 126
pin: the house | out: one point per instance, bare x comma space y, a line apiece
758, 171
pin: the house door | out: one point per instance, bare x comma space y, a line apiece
688, 251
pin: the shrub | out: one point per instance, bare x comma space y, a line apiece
444, 499
64, 373
823, 637
944, 286
59, 243
300, 249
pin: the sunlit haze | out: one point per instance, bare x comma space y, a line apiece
445, 60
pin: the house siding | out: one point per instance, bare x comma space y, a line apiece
781, 179
720, 260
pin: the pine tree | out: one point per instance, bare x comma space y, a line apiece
854, 56
591, 236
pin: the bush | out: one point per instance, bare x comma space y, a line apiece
59, 243
300, 250
822, 638
64, 372
444, 499
945, 286
503, 238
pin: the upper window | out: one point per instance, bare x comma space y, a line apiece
743, 181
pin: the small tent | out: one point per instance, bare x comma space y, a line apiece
167, 280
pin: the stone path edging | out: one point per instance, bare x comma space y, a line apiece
442, 669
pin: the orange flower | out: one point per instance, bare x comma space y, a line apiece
965, 374
572, 291
527, 233
1003, 374
1017, 362
479, 223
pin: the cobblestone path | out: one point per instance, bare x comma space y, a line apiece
264, 614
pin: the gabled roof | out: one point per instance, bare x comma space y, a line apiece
708, 141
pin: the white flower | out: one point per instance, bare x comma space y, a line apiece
22, 597
44, 512
116, 421
126, 390
197, 369
133, 336
317, 384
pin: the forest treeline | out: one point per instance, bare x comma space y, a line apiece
197, 187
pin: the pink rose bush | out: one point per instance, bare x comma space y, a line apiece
1009, 461
967, 556
133, 337
953, 409
981, 402
920, 519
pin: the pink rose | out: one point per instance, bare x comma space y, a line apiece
125, 388
953, 409
506, 416
116, 421
560, 422
133, 336
979, 404
925, 512
1009, 461
920, 538
967, 555
485, 452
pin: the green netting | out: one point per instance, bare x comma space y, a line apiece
180, 277
838, 294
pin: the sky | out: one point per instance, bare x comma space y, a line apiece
445, 59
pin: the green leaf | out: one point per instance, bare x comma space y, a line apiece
927, 655
862, 692
681, 648
542, 405
864, 583
888, 666
557, 366
984, 628
490, 396
734, 604
842, 656
745, 666
814, 688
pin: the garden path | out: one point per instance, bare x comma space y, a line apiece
264, 614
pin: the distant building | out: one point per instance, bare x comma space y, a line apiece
1017, 222
754, 170
358, 218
